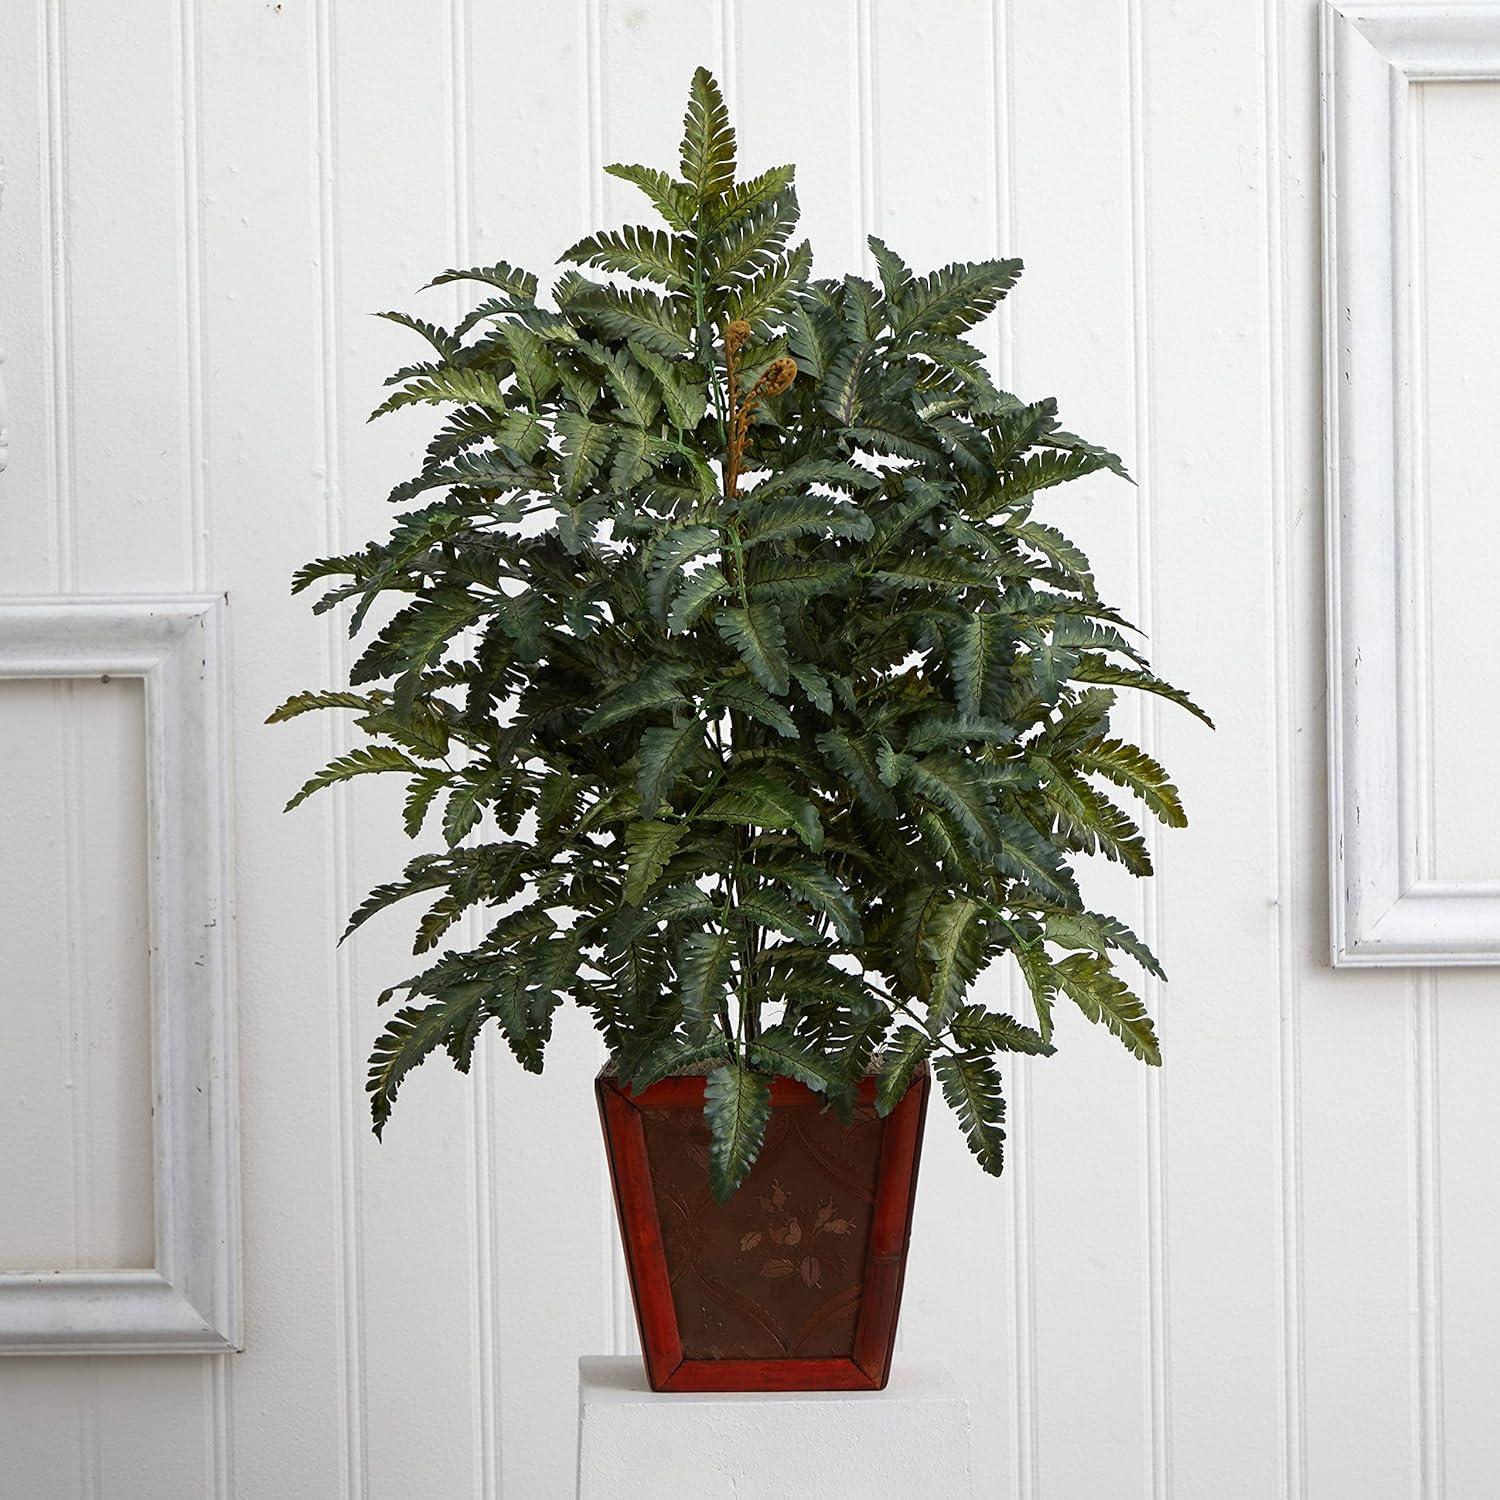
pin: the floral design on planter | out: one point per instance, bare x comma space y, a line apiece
781, 1228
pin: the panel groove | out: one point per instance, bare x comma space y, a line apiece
1293, 1477
1429, 1329
617, 1305
59, 339
1421, 724
1021, 1287
194, 424
218, 1374
869, 141
1158, 1308
58, 351
346, 1094
482, 1206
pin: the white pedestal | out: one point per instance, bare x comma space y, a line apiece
909, 1440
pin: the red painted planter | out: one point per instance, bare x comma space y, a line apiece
795, 1283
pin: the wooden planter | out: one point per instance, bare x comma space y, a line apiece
795, 1283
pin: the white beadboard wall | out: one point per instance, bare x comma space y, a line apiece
1266, 1271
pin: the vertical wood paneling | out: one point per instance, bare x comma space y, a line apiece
530, 144
1208, 496
923, 75
265, 507
28, 302
393, 203
125, 394
1353, 1037
1292, 1478
776, 125
49, 1415
344, 1051
1468, 1315
1268, 1272
1073, 321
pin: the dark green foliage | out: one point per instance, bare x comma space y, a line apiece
756, 711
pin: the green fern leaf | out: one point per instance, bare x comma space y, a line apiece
703, 978
649, 847
855, 761
707, 140
673, 200
955, 298
361, 762
536, 372
737, 1105
666, 755
758, 800
675, 1056
635, 250
1087, 929
972, 1088
895, 274
685, 395
980, 651
424, 874
421, 791
585, 445
444, 342
638, 315
903, 1055
820, 890
1020, 851
470, 386
1129, 766
779, 1051
769, 294
508, 278
773, 911
756, 632
1093, 986
301, 703
409, 1037
803, 515
953, 944
752, 700
1096, 669
1058, 550
977, 1030
795, 578
743, 198
655, 691
668, 554
697, 592
464, 810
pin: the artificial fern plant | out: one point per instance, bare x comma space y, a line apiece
761, 711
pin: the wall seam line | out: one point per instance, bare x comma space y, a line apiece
1429, 1404
1022, 1420
218, 1373
1291, 1373
59, 355
482, 1204
1158, 1277
350, 1321
60, 320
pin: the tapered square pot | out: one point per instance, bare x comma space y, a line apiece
795, 1283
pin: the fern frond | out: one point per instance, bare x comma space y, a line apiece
707, 140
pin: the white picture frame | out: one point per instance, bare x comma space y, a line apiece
1382, 911
190, 1299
